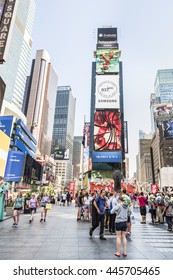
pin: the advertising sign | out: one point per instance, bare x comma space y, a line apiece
14, 167
101, 186
107, 61
166, 92
110, 46
125, 137
166, 174
86, 134
107, 131
6, 124
71, 188
163, 111
4, 146
107, 156
5, 23
61, 154
86, 159
25, 139
168, 130
107, 92
107, 35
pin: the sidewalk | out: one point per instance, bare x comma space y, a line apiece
61, 237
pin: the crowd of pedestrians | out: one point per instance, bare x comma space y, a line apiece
113, 212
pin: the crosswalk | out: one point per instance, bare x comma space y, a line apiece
158, 238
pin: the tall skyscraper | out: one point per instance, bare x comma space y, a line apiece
163, 86
161, 107
63, 129
39, 100
15, 69
107, 112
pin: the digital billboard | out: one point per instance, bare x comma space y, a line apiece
4, 146
107, 61
6, 124
125, 137
163, 111
107, 35
14, 167
107, 156
110, 46
107, 131
61, 154
168, 130
107, 92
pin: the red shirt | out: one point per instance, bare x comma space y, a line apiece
142, 201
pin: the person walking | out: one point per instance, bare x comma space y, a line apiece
142, 204
152, 207
98, 210
45, 199
121, 211
168, 211
18, 208
80, 205
33, 203
113, 203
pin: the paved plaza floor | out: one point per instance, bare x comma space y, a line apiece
61, 237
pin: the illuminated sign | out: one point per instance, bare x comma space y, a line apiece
107, 93
107, 131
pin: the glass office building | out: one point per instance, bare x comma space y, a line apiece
14, 71
63, 132
163, 86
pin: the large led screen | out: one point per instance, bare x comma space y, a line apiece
107, 92
168, 129
107, 61
107, 131
163, 111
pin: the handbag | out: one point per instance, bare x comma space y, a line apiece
48, 206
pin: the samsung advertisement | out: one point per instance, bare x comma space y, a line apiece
14, 166
107, 92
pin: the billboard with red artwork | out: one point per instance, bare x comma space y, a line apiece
107, 131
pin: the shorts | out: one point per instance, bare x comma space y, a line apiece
143, 210
122, 226
18, 209
32, 209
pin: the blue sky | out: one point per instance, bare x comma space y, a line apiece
67, 29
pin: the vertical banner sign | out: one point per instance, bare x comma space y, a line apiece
14, 166
125, 137
7, 15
